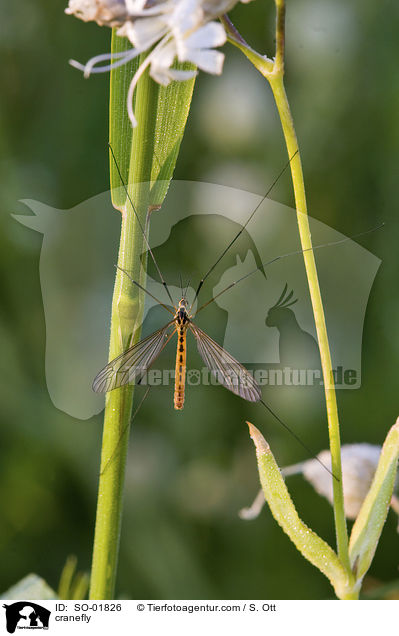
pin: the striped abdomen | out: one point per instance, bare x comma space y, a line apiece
180, 373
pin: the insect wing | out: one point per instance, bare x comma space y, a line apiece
226, 369
132, 363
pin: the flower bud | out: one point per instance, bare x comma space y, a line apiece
105, 12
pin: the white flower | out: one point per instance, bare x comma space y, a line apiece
359, 463
180, 30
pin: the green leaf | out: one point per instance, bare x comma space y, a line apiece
368, 526
146, 156
143, 154
72, 585
120, 127
309, 544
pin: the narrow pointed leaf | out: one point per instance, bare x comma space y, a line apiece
311, 546
368, 526
148, 155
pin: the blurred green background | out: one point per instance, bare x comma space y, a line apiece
188, 474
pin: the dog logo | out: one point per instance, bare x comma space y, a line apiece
26, 615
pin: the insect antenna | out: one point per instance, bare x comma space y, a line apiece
144, 289
242, 229
141, 228
277, 258
185, 291
181, 285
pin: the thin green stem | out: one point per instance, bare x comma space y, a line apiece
114, 447
282, 104
127, 311
274, 73
277, 85
280, 37
116, 430
318, 312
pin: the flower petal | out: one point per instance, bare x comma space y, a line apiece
161, 75
206, 60
206, 37
181, 76
143, 32
186, 16
165, 56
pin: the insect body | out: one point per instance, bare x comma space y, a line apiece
132, 365
182, 321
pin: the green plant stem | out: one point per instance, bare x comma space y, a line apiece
276, 80
277, 86
341, 532
115, 433
274, 73
127, 309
